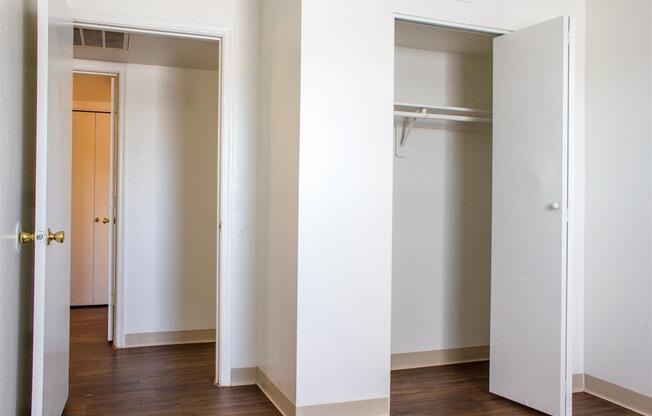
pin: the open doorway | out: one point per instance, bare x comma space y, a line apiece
145, 216
480, 277
93, 214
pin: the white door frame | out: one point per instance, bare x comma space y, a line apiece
571, 172
225, 166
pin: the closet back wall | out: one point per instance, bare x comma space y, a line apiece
442, 209
170, 199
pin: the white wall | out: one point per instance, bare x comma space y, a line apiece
17, 133
345, 201
279, 129
619, 193
241, 18
170, 199
442, 209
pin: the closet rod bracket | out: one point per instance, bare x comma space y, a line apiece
408, 125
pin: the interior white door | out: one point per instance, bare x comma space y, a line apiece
529, 284
52, 211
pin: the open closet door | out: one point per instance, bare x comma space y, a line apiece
529, 294
52, 210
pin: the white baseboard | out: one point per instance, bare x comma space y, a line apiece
578, 383
372, 407
275, 395
243, 376
152, 339
405, 361
621, 396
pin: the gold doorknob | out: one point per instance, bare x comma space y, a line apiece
58, 236
25, 237
105, 220
97, 219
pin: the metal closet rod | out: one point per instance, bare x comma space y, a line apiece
463, 114
413, 112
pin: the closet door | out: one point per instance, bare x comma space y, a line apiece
529, 288
101, 232
83, 173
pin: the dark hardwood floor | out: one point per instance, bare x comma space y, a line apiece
178, 380
171, 380
463, 390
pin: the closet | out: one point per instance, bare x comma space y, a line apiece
442, 191
91, 147
481, 132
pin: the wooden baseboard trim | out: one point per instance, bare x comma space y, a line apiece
274, 394
243, 376
621, 396
152, 339
578, 383
405, 361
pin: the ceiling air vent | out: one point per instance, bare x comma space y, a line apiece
77, 37
100, 38
115, 40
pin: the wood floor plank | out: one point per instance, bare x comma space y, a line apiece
178, 380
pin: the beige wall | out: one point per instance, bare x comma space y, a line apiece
91, 92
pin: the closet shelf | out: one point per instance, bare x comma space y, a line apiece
413, 112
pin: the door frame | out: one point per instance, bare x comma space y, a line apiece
570, 167
116, 71
226, 225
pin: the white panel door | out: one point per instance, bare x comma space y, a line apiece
83, 208
529, 299
101, 190
52, 211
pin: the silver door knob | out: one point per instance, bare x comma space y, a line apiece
555, 206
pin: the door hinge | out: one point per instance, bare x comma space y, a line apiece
219, 226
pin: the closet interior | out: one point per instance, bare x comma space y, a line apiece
442, 196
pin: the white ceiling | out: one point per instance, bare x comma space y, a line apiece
158, 50
434, 38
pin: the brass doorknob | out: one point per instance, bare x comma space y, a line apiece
97, 219
105, 220
58, 236
25, 237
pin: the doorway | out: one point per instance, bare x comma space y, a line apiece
480, 281
93, 183
159, 225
